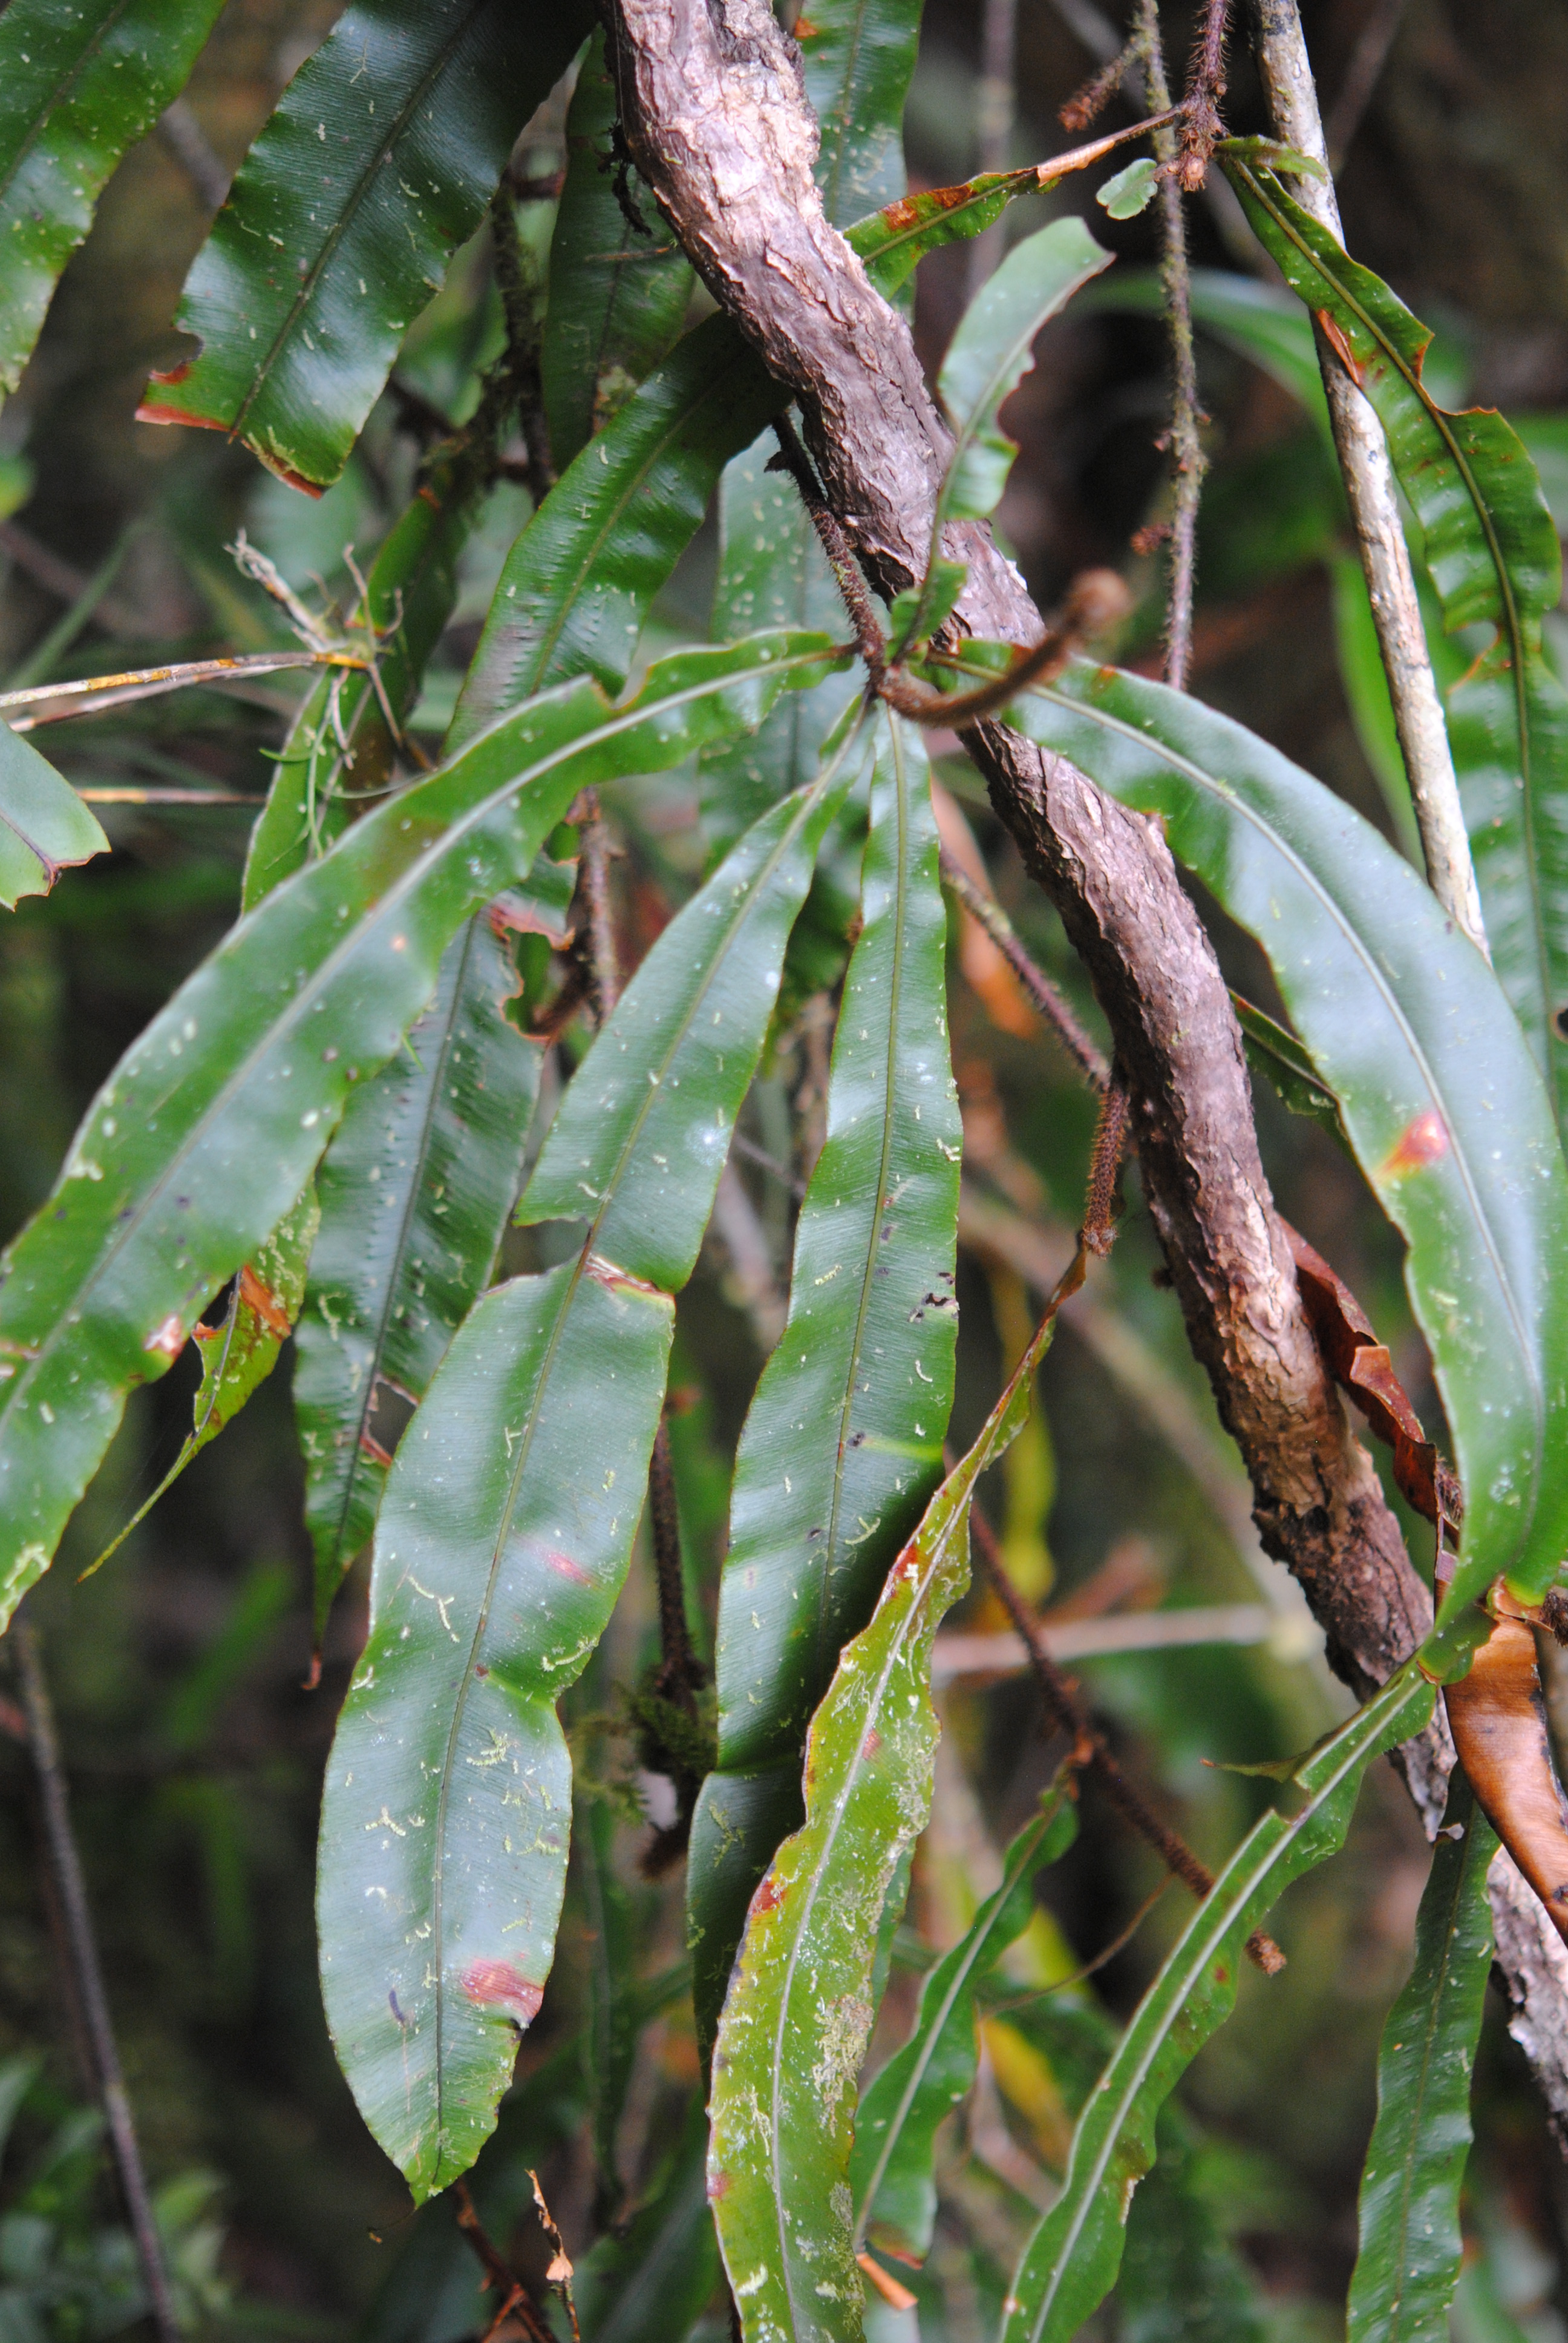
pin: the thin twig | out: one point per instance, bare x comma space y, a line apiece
1101, 1202
172, 798
1106, 1953
1049, 1002
1096, 600
604, 964
1282, 54
994, 112
1367, 60
1187, 458
1064, 1708
1203, 128
681, 1672
54, 703
516, 2300
1085, 105
835, 544
71, 1890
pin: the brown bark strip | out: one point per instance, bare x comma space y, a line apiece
715, 110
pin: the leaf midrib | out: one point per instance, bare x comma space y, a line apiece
349, 213
59, 95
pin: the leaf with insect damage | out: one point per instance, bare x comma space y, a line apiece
987, 358
377, 164
1439, 1092
1491, 551
208, 1129
1069, 2263
842, 1444
78, 86
799, 2011
506, 1527
1411, 2247
618, 295
44, 828
890, 2169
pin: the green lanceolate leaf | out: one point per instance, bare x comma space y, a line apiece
1437, 1088
993, 349
771, 572
239, 1352
77, 86
44, 828
507, 1527
414, 1192
987, 358
1285, 1066
799, 2011
890, 2169
617, 297
1069, 2263
859, 57
499, 1551
1493, 554
208, 1129
576, 587
842, 1443
379, 161
1411, 2247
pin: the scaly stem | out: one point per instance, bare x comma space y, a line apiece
1282, 54
71, 1893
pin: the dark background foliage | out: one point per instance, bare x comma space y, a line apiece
195, 1754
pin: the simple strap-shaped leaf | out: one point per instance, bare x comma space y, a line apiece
771, 572
1411, 2247
208, 1127
379, 161
617, 299
859, 56
993, 349
799, 2012
575, 589
987, 358
890, 2169
842, 1443
414, 1192
77, 86
895, 240
1493, 554
1069, 2263
44, 828
1438, 1090
506, 1527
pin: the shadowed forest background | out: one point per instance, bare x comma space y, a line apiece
195, 1754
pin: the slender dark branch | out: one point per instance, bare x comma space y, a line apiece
1085, 105
1049, 1002
1203, 128
514, 2298
521, 305
71, 1892
1187, 459
681, 1672
603, 962
1102, 1201
1096, 600
835, 544
1065, 1710
995, 108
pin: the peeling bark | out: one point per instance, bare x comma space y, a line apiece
715, 112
